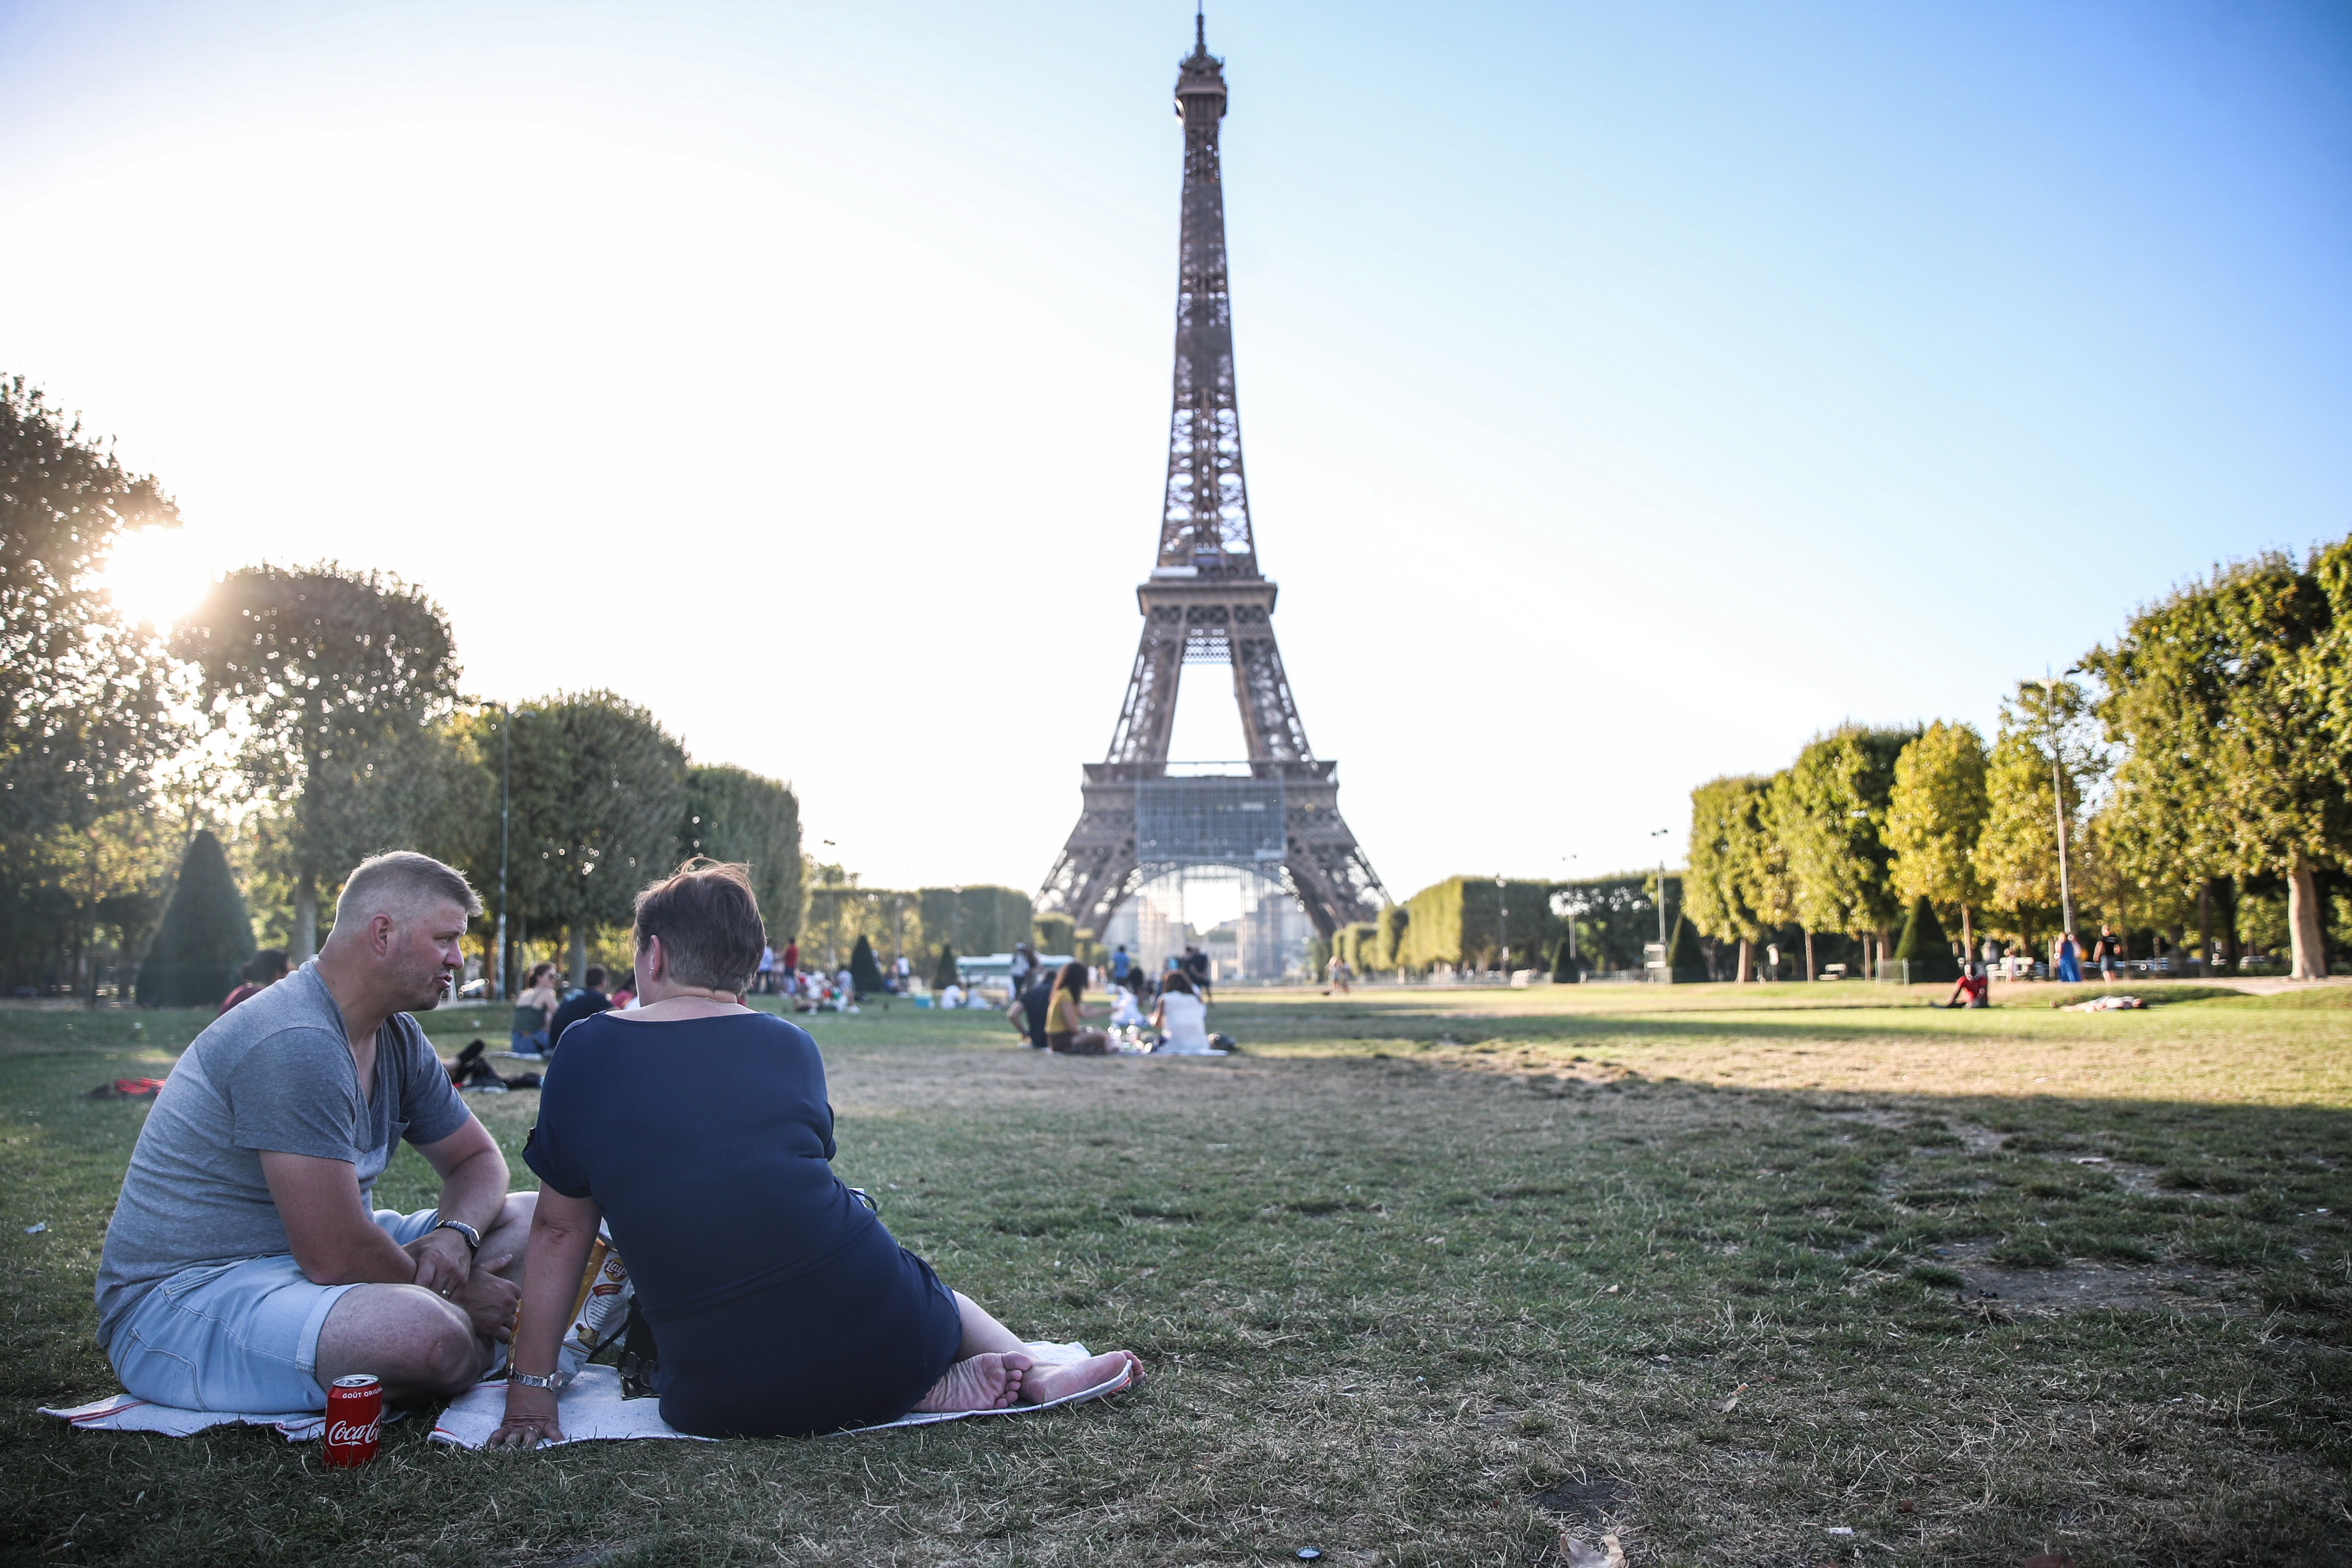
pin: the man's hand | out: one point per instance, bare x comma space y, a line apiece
443, 1261
490, 1303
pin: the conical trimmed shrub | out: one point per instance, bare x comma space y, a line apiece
943, 974
1924, 948
206, 939
865, 974
1684, 954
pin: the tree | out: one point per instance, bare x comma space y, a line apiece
1728, 890
1925, 952
206, 937
86, 700
735, 815
338, 681
1054, 933
1934, 816
2028, 804
944, 973
2229, 696
599, 793
1829, 812
1393, 922
865, 974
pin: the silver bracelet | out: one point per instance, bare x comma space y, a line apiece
532, 1380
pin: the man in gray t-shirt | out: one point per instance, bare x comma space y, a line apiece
245, 1268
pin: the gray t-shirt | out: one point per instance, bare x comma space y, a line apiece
272, 1073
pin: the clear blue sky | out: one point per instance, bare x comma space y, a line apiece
1630, 392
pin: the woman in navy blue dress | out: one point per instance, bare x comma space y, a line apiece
699, 1131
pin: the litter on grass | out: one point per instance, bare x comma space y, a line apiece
1577, 1554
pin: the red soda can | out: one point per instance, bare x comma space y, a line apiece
354, 1419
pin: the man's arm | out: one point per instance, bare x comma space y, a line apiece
473, 1189
336, 1240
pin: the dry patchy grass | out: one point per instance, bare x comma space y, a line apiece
1424, 1277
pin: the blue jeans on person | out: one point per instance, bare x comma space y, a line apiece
521, 1044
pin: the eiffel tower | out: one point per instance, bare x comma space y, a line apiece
1206, 603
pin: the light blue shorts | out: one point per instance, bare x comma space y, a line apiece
236, 1336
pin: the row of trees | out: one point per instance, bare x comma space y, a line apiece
312, 716
1568, 928
2206, 754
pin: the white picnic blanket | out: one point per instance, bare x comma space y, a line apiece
593, 1411
121, 1412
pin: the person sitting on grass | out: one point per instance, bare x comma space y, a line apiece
244, 1267
1182, 1019
527, 1034
1970, 990
699, 1131
1065, 1030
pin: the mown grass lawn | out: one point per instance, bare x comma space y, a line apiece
1425, 1278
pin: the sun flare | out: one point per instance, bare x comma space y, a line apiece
154, 576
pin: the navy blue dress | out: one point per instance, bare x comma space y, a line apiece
781, 1305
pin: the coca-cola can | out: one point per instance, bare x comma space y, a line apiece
354, 1419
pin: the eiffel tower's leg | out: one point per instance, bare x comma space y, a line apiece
1096, 868
1149, 711
1269, 715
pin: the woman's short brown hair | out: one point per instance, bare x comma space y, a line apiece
708, 923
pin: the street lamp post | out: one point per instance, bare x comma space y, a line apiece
1661, 833
1503, 923
2057, 797
506, 798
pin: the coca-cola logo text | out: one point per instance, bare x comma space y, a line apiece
343, 1433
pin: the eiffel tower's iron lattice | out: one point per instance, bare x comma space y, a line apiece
1206, 604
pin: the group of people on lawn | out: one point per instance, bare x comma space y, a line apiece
246, 1267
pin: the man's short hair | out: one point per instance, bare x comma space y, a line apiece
594, 976
708, 923
399, 883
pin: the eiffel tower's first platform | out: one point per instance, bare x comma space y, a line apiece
1205, 603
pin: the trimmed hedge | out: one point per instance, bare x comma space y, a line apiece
206, 939
1925, 948
865, 974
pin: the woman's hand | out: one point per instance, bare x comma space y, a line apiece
530, 1418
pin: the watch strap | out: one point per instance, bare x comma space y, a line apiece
473, 1238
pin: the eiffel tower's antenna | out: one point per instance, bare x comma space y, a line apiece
1206, 602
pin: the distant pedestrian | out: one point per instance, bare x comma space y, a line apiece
1119, 966
585, 1003
265, 969
1338, 974
526, 1033
2107, 953
1197, 968
2069, 964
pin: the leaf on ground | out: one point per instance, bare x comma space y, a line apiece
2049, 1560
1725, 1407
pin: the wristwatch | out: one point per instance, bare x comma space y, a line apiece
532, 1380
473, 1238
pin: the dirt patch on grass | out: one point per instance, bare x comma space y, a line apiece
2089, 1287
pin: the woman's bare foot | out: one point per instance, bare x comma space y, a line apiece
993, 1380
1044, 1385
